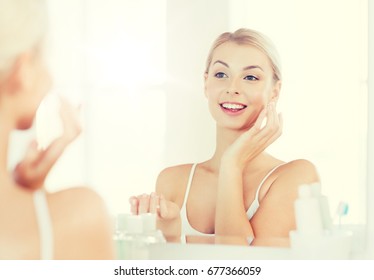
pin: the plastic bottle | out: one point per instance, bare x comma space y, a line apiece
129, 238
324, 206
134, 234
119, 233
312, 239
151, 234
308, 213
135, 245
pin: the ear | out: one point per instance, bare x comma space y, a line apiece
205, 78
276, 91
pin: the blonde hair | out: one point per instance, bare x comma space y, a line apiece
250, 37
22, 27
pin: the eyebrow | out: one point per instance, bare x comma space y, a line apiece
245, 68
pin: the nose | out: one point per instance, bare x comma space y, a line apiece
228, 91
233, 88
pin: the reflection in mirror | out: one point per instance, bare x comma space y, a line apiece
141, 83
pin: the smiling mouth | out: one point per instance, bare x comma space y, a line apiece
232, 107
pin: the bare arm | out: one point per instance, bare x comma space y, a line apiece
231, 217
276, 217
162, 202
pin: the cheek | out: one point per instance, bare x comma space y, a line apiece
45, 81
260, 95
215, 87
258, 100
39, 89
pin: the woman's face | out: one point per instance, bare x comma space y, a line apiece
238, 85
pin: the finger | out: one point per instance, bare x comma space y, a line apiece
70, 119
25, 172
21, 175
260, 119
31, 152
280, 116
277, 133
163, 208
153, 203
48, 157
275, 116
134, 205
272, 124
143, 204
270, 115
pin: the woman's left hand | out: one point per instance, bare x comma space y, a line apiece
32, 171
254, 141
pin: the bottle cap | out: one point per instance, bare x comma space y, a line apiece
305, 191
316, 189
121, 221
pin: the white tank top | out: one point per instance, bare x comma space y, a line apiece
187, 229
44, 224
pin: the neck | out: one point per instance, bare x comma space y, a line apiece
224, 138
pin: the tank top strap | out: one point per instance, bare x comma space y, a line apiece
252, 209
189, 183
44, 224
265, 178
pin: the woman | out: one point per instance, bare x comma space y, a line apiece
70, 224
241, 190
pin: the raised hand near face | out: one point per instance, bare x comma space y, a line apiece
256, 139
32, 171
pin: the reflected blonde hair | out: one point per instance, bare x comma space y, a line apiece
22, 28
244, 36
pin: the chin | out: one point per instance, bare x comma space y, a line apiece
235, 125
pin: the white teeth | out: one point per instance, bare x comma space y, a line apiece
232, 106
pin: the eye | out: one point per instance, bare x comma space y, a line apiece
220, 75
250, 78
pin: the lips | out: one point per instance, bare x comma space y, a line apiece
232, 107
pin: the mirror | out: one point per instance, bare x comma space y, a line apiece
138, 69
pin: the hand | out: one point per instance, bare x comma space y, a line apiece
32, 171
154, 203
256, 139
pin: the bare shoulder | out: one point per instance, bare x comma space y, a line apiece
293, 174
82, 200
281, 194
299, 171
80, 221
172, 181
